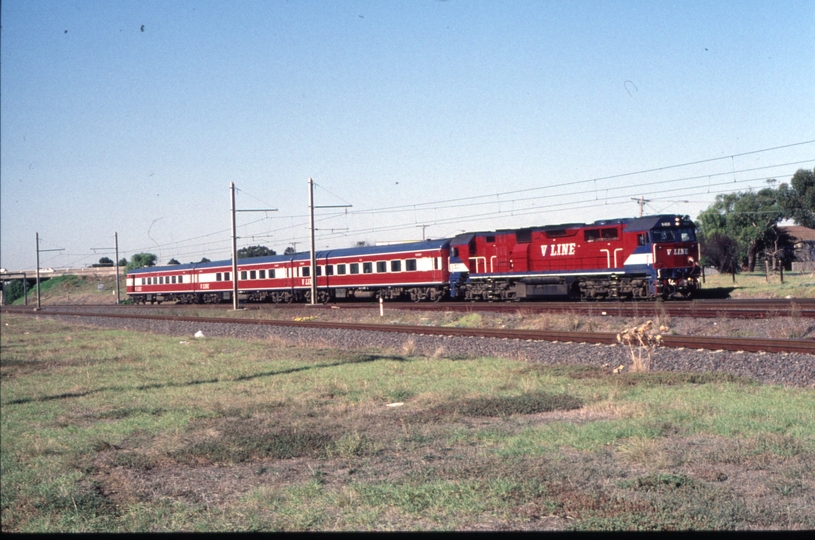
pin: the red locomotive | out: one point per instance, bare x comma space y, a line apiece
650, 257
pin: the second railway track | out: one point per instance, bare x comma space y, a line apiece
805, 346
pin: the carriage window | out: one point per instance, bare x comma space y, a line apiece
381, 266
396, 266
181, 279
592, 235
355, 268
319, 270
227, 276
410, 265
609, 234
436, 263
262, 274
172, 279
271, 273
341, 269
253, 274
218, 276
243, 274
367, 268
329, 269
305, 271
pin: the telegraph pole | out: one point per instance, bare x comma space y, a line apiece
641, 201
116, 243
116, 248
39, 305
313, 262
235, 243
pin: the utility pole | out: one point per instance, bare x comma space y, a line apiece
39, 305
313, 262
116, 248
423, 228
235, 243
641, 201
116, 243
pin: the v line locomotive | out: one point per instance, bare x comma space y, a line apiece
637, 258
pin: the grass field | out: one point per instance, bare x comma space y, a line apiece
107, 430
756, 285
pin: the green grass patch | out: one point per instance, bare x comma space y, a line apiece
107, 430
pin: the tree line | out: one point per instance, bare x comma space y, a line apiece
739, 229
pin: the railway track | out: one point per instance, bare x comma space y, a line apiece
805, 346
701, 309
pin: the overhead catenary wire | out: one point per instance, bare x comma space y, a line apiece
519, 206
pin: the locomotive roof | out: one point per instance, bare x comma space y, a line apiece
632, 224
304, 255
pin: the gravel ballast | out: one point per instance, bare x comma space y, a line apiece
790, 369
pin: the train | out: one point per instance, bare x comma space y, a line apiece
648, 258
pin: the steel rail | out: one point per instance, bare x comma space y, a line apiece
806, 346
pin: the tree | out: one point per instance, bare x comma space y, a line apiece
123, 262
13, 290
140, 260
204, 260
289, 251
721, 252
750, 218
255, 251
173, 261
105, 261
797, 200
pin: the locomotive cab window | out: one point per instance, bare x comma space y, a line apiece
591, 235
609, 234
381, 266
642, 239
410, 265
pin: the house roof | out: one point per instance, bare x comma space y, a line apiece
799, 233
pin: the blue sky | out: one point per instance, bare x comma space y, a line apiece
134, 117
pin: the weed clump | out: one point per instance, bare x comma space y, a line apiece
641, 343
275, 445
528, 403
